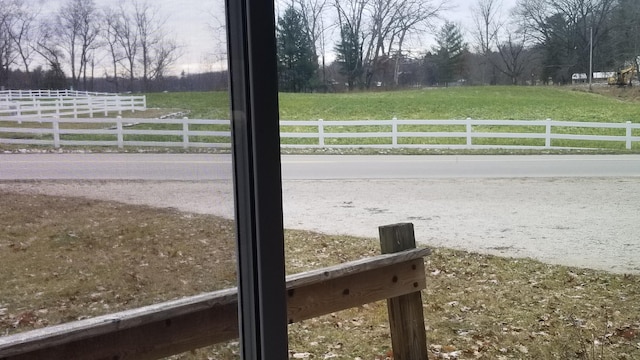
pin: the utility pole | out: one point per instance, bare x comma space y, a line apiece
590, 57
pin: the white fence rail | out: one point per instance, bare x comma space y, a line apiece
189, 133
470, 132
65, 103
117, 128
10, 95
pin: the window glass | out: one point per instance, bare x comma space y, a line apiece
116, 173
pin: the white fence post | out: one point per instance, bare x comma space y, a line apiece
57, 102
90, 104
628, 135
320, 133
185, 132
120, 132
56, 133
469, 138
74, 103
106, 106
394, 132
547, 137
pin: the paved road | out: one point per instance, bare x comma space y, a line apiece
571, 210
312, 167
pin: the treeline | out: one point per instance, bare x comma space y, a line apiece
537, 41
67, 47
39, 78
325, 45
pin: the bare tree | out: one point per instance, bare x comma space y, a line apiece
163, 56
21, 29
485, 15
126, 38
89, 41
383, 27
111, 32
8, 54
138, 44
385, 14
486, 30
540, 18
148, 28
513, 54
76, 30
218, 33
313, 12
534, 16
157, 51
415, 17
51, 53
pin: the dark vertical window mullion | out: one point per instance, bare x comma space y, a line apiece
258, 184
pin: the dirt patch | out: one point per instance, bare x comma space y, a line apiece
624, 93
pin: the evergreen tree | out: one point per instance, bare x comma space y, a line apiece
557, 51
297, 63
449, 53
625, 34
349, 55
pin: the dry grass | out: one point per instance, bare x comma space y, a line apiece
628, 94
70, 258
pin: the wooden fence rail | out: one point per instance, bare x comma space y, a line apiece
189, 133
181, 325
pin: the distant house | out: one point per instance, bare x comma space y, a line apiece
579, 78
598, 77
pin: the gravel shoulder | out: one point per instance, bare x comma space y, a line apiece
584, 222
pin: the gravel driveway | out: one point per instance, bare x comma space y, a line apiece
585, 222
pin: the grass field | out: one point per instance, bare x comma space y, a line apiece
489, 103
499, 102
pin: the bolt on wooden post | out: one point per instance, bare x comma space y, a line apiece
406, 317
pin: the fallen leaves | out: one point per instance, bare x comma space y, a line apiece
489, 307
475, 306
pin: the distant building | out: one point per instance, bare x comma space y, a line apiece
598, 77
579, 78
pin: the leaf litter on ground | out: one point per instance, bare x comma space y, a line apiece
68, 258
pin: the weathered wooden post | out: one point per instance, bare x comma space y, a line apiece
406, 317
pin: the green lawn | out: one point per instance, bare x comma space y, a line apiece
482, 102
495, 102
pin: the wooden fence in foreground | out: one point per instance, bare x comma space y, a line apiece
388, 134
164, 329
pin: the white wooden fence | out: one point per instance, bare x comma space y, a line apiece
10, 95
470, 132
65, 103
53, 134
184, 133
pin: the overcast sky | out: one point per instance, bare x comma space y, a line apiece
190, 21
